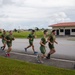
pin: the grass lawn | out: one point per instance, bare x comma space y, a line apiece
15, 67
25, 34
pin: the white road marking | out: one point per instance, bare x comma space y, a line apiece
51, 58
23, 54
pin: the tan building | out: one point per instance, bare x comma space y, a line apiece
67, 28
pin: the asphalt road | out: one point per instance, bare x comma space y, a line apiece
65, 49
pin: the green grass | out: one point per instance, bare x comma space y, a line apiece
24, 34
15, 67
21, 34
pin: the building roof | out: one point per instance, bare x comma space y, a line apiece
65, 24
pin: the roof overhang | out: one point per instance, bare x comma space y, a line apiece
65, 24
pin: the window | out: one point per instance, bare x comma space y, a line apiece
73, 30
61, 30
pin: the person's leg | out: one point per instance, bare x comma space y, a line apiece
4, 46
8, 51
33, 48
27, 48
42, 56
43, 51
52, 51
48, 56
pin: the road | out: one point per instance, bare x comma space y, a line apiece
65, 49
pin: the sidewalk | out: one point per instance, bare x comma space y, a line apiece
32, 58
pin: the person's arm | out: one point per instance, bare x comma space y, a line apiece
56, 42
29, 37
13, 38
6, 38
42, 43
49, 40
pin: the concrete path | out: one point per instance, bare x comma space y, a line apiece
63, 58
64, 50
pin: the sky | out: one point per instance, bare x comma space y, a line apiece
27, 14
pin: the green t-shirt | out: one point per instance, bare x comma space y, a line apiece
10, 37
52, 38
43, 40
3, 36
31, 36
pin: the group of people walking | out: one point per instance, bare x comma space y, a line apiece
50, 39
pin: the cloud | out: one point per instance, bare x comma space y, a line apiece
49, 3
5, 2
42, 22
59, 17
32, 13
39, 3
22, 14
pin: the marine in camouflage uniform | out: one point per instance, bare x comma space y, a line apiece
3, 36
51, 40
43, 46
31, 39
9, 39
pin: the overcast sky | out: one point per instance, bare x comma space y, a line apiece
35, 13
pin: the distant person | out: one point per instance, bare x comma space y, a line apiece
9, 39
51, 41
3, 36
31, 39
43, 46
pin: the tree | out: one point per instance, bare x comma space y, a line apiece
15, 30
36, 28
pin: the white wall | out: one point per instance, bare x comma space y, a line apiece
72, 33
58, 28
63, 33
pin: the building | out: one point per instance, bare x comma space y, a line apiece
66, 28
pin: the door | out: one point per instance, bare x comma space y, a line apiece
67, 31
57, 33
